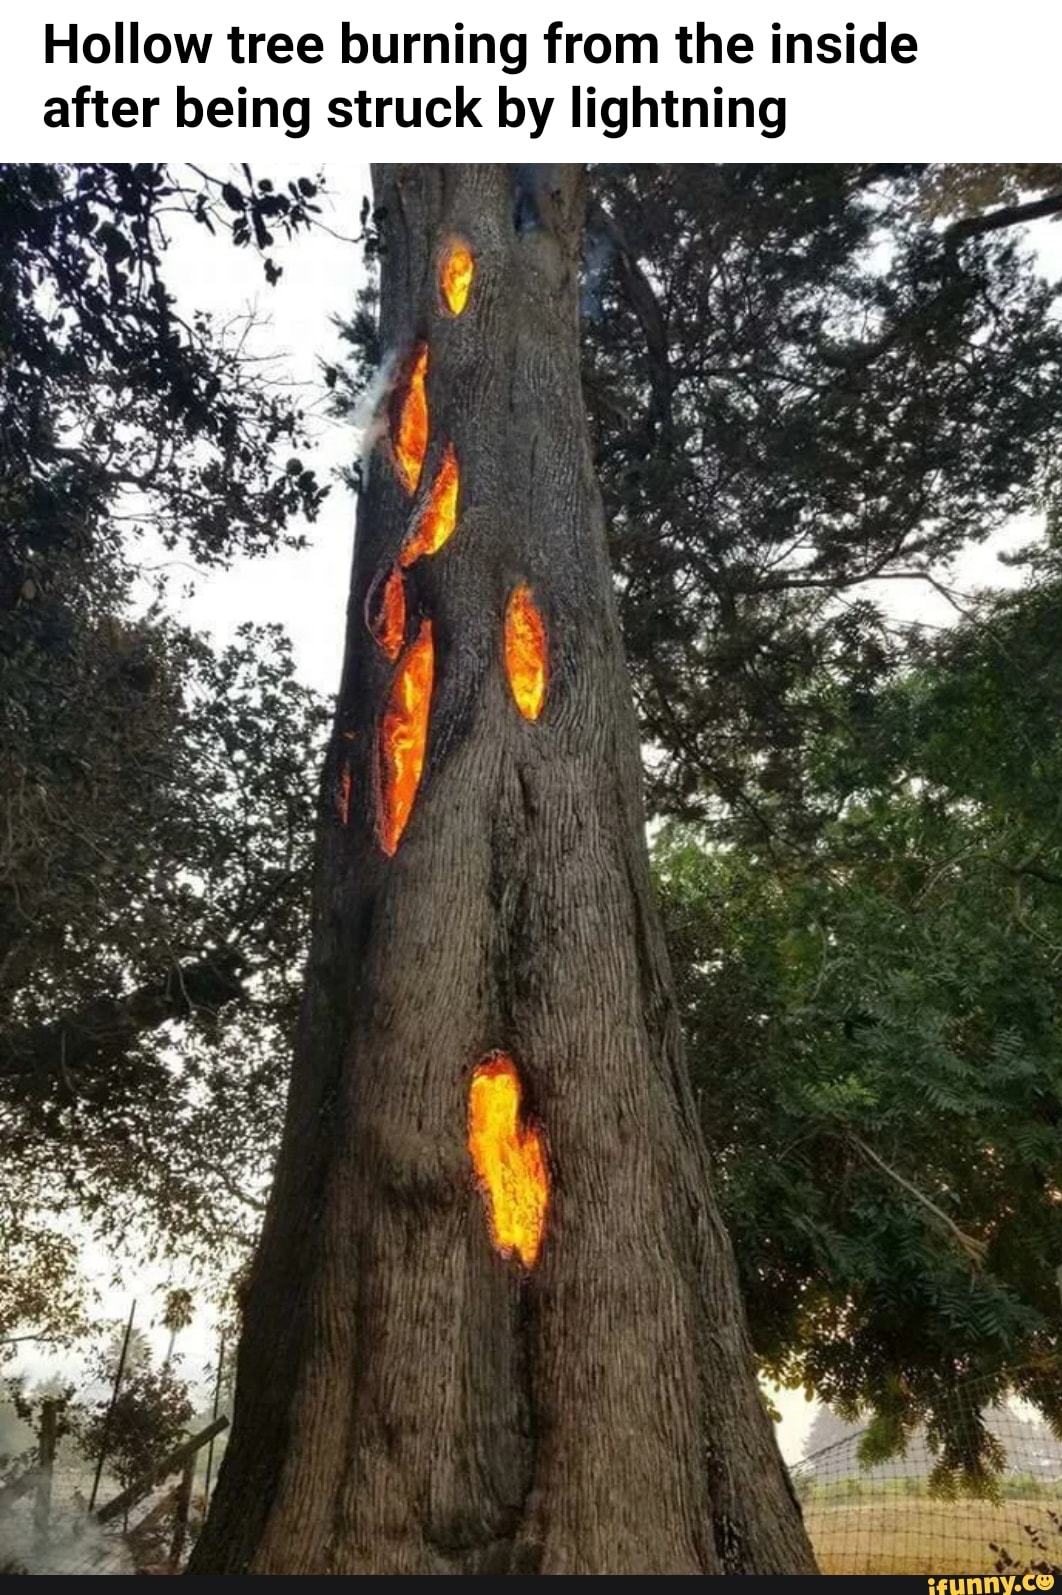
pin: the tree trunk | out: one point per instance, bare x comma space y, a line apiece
414, 1395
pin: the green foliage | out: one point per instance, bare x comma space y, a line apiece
156, 797
971, 188
796, 385
132, 1353
157, 878
875, 1034
41, 1290
105, 387
149, 1417
178, 1311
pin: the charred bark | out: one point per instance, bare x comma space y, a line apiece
409, 1400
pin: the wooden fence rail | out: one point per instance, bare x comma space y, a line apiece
171, 1463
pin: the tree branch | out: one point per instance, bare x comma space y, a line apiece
256, 1204
646, 306
974, 1249
109, 1025
46, 1340
1006, 216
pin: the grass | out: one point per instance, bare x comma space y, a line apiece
908, 1534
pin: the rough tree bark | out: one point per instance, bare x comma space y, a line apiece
409, 1400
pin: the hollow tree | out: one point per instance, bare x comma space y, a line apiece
493, 1323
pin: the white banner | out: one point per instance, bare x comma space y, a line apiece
790, 80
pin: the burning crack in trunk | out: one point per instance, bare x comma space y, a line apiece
410, 443
386, 617
509, 1159
455, 276
526, 656
437, 521
404, 737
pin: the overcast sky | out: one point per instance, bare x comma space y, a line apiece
306, 591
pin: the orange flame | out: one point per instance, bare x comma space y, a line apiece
404, 736
525, 652
388, 623
509, 1159
436, 523
411, 434
455, 277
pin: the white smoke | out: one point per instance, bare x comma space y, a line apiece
75, 1542
370, 414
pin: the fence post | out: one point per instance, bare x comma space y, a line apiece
120, 1504
46, 1444
180, 1514
214, 1415
105, 1437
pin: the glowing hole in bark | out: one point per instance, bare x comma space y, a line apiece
438, 519
411, 433
387, 621
404, 736
509, 1160
455, 277
525, 652
343, 794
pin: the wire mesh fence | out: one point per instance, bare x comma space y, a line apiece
154, 1535
912, 1513
923, 1512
